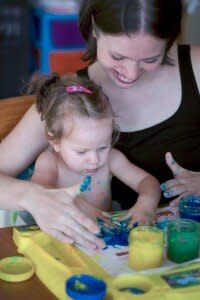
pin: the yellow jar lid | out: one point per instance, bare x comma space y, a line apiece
16, 268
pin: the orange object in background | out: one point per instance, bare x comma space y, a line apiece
66, 61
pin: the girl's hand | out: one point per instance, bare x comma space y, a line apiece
56, 213
138, 215
185, 182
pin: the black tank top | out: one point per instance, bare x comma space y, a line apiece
179, 134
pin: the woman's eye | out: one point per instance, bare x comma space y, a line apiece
150, 61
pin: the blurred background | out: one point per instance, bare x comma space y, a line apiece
42, 35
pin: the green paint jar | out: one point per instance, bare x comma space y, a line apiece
183, 240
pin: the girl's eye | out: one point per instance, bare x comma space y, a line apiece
117, 57
103, 148
81, 152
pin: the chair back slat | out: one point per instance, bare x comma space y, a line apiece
11, 111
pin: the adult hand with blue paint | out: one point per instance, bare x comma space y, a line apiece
185, 182
62, 219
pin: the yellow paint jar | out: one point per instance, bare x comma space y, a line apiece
146, 245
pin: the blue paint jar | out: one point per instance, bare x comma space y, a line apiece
189, 207
85, 287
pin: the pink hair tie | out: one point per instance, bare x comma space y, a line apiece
72, 89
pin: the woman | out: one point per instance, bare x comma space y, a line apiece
154, 94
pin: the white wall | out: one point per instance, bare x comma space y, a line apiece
191, 28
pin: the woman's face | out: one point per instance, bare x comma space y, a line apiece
127, 58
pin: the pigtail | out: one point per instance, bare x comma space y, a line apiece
42, 86
43, 102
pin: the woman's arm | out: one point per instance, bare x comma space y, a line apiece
53, 210
25, 142
185, 181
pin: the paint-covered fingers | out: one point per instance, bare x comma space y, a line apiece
140, 217
81, 235
173, 165
175, 190
67, 236
167, 185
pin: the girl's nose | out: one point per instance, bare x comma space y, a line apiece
94, 158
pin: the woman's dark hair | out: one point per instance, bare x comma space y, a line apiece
56, 105
160, 18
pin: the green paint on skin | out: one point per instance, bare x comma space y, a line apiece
163, 187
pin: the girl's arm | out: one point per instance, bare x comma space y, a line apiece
53, 210
143, 183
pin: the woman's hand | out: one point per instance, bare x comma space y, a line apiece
185, 182
56, 213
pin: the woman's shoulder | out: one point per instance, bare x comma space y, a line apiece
195, 58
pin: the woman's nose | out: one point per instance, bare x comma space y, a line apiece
132, 71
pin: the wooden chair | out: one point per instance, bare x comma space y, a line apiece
11, 111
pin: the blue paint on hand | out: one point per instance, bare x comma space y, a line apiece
86, 183
163, 187
168, 194
117, 233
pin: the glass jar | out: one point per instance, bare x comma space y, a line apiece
189, 207
146, 245
183, 240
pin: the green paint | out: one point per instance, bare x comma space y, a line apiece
183, 240
80, 286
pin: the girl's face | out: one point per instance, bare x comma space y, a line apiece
127, 58
86, 149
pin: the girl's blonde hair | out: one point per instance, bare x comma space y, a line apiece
56, 105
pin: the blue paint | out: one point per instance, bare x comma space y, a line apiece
86, 183
117, 233
94, 288
189, 207
168, 194
163, 223
163, 187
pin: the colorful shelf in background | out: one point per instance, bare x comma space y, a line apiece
57, 40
